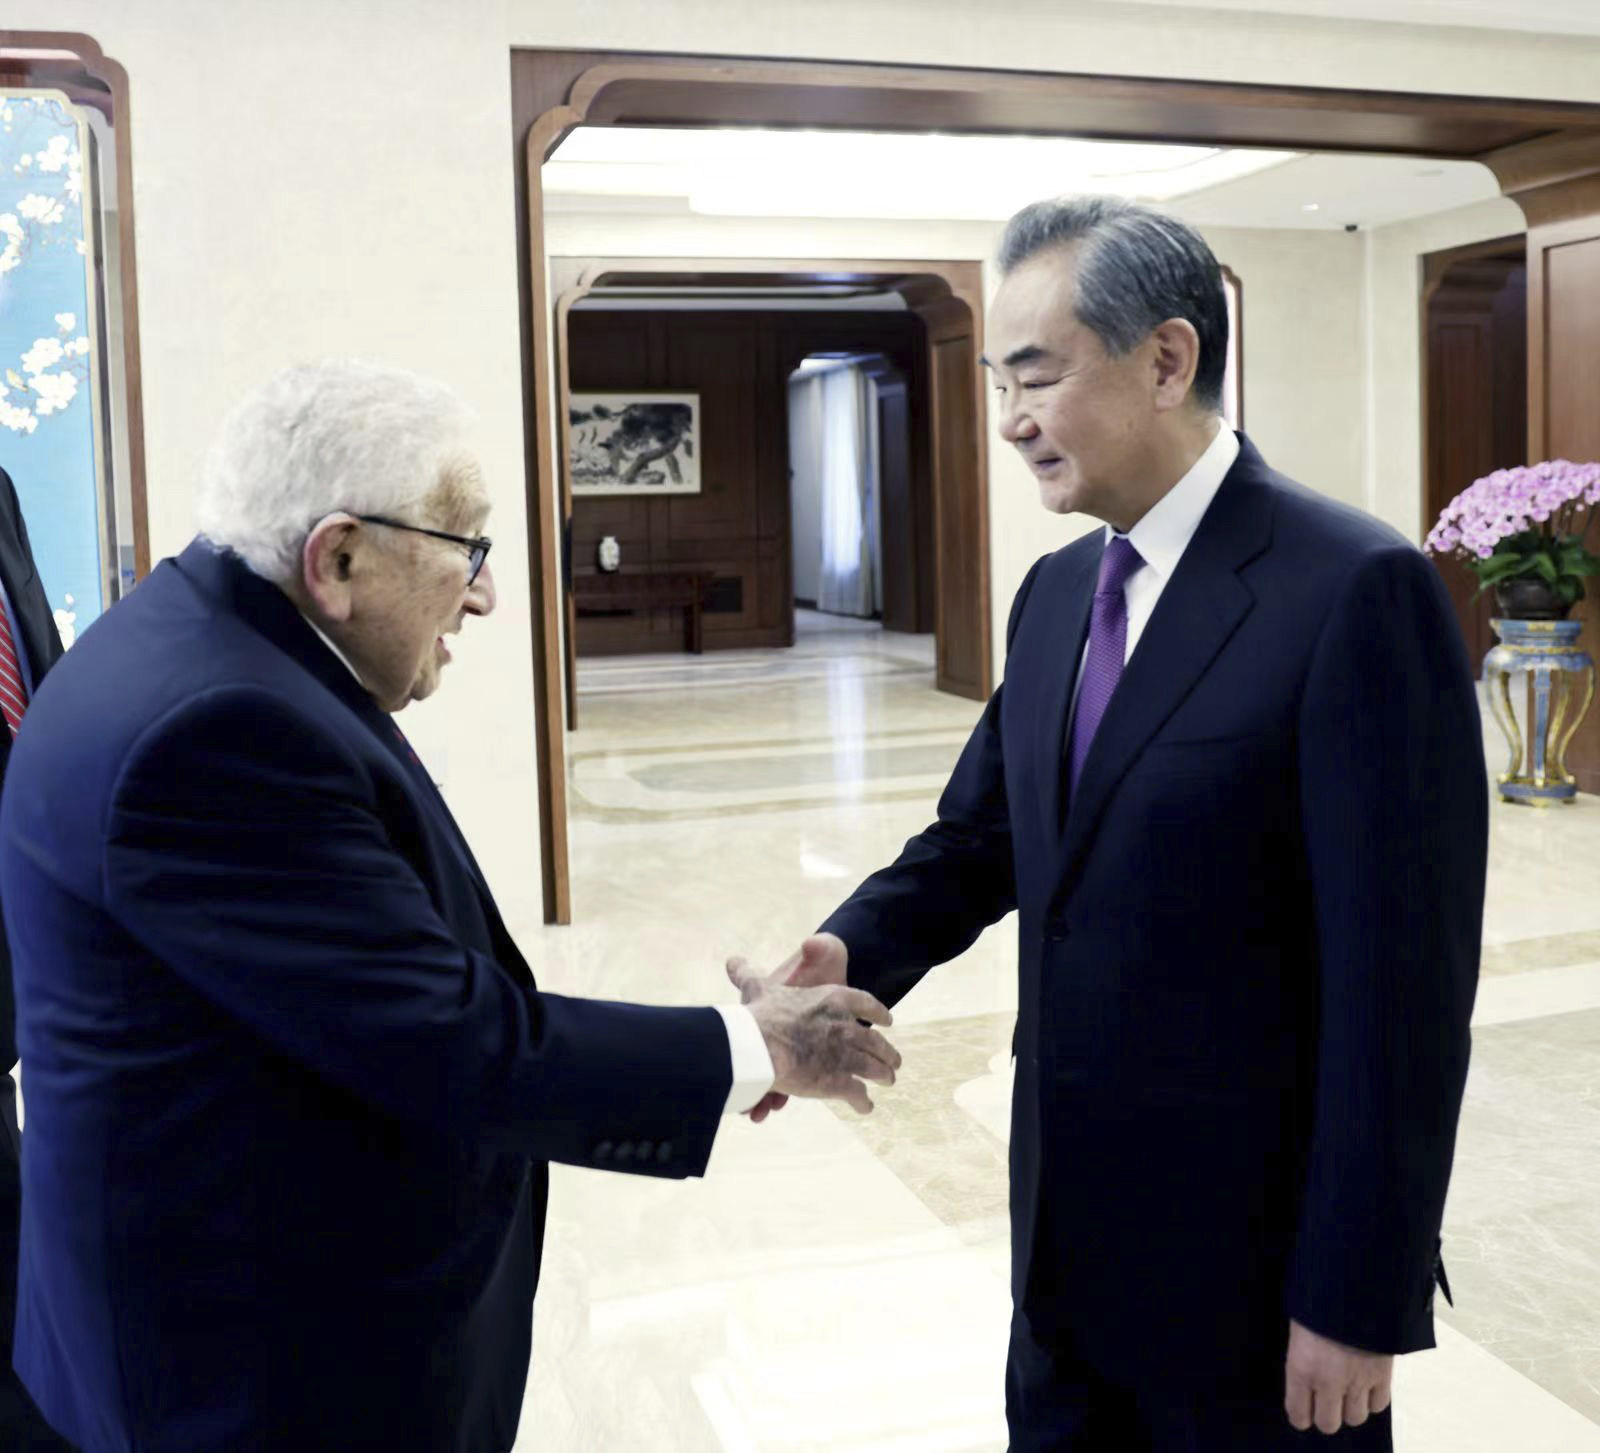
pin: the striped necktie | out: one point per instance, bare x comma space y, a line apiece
13, 694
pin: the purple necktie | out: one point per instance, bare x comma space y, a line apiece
1108, 644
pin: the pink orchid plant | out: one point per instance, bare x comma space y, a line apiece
1532, 521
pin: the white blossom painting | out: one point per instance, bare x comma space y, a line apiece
49, 442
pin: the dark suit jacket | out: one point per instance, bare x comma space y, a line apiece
291, 1086
37, 628
1248, 953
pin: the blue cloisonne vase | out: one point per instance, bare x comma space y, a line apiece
1562, 677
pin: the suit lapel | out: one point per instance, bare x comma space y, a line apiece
1199, 610
265, 607
1074, 599
388, 731
396, 740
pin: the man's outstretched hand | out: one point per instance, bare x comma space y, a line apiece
809, 1018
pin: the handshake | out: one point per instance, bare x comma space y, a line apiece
818, 1030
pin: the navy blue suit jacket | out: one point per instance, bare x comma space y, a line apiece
1248, 946
291, 1088
37, 627
43, 646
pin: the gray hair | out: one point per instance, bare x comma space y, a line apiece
319, 438
1137, 268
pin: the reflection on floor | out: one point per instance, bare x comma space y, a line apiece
838, 1283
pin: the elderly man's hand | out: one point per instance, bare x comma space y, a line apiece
820, 1048
1330, 1386
821, 959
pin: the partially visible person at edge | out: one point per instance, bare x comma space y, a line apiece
29, 647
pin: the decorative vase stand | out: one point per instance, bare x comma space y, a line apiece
1561, 682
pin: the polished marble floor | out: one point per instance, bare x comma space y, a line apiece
840, 1283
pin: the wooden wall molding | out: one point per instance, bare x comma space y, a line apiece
1553, 178
1564, 394
665, 91
72, 62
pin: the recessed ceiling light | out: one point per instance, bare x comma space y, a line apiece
1312, 207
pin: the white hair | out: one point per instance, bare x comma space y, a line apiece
319, 438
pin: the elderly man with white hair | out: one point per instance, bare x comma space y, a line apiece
292, 1090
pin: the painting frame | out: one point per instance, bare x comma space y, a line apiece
633, 445
54, 412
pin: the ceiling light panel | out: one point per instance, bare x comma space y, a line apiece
871, 174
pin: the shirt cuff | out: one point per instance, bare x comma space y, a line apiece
753, 1074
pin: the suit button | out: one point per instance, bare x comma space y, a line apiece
1056, 933
603, 1150
644, 1149
664, 1152
625, 1151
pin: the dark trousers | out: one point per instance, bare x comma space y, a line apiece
22, 1429
1056, 1403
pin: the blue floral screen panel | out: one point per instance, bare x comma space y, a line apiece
51, 439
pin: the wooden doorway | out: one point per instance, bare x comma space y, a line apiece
909, 564
1474, 394
945, 490
1546, 155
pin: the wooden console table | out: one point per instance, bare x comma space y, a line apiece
631, 590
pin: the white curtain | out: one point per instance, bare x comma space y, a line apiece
847, 583
805, 482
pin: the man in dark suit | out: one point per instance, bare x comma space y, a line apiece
292, 1090
1233, 787
29, 647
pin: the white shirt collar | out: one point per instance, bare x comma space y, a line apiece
1164, 533
328, 642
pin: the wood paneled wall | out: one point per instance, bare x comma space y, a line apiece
1475, 401
1564, 397
738, 526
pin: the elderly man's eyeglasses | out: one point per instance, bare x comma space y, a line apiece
477, 545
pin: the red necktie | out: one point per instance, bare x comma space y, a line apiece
13, 694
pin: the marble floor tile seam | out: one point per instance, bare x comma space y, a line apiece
697, 730
721, 1273
662, 751
695, 685
805, 648
841, 767
1537, 994
680, 662
649, 778
1545, 951
645, 787
681, 670
595, 813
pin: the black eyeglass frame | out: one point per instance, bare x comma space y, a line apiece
479, 545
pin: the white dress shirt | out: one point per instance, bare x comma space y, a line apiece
1163, 535
753, 1074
